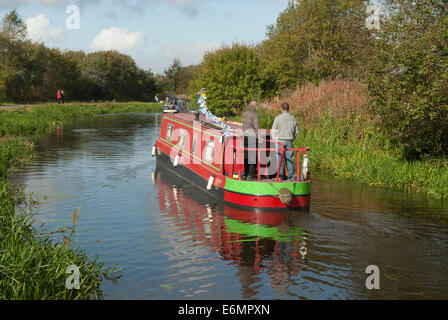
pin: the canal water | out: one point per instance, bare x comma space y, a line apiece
173, 242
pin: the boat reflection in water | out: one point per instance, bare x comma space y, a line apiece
256, 242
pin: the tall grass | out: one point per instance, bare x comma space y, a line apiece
31, 265
310, 102
354, 149
347, 142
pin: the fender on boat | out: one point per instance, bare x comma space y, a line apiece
305, 167
210, 182
285, 196
176, 160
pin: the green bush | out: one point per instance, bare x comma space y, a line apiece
314, 40
231, 76
409, 82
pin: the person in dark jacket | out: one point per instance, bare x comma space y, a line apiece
250, 131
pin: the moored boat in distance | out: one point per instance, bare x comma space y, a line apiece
173, 104
201, 152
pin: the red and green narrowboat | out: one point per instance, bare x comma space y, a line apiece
212, 159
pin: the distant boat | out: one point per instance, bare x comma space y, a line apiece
173, 104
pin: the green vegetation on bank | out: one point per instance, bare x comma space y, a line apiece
354, 148
43, 119
231, 76
408, 79
31, 265
347, 142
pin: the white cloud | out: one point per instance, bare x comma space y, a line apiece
118, 39
40, 29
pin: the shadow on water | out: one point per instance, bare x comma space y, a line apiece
173, 242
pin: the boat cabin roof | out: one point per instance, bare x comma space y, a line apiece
189, 117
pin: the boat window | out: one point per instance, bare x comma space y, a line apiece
193, 147
182, 135
169, 132
208, 151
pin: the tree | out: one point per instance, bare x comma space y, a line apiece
3, 79
114, 73
60, 73
231, 76
12, 32
147, 86
409, 80
20, 71
173, 75
314, 40
176, 78
13, 27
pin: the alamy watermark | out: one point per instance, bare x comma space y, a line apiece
72, 281
373, 280
373, 20
73, 21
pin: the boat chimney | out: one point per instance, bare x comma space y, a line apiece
197, 115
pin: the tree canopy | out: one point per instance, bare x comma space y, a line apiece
232, 78
409, 79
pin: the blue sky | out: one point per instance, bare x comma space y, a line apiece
153, 32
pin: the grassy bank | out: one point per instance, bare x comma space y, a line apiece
352, 148
43, 119
31, 265
346, 141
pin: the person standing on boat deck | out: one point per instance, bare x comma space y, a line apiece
285, 130
250, 131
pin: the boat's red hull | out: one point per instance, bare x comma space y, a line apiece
253, 201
